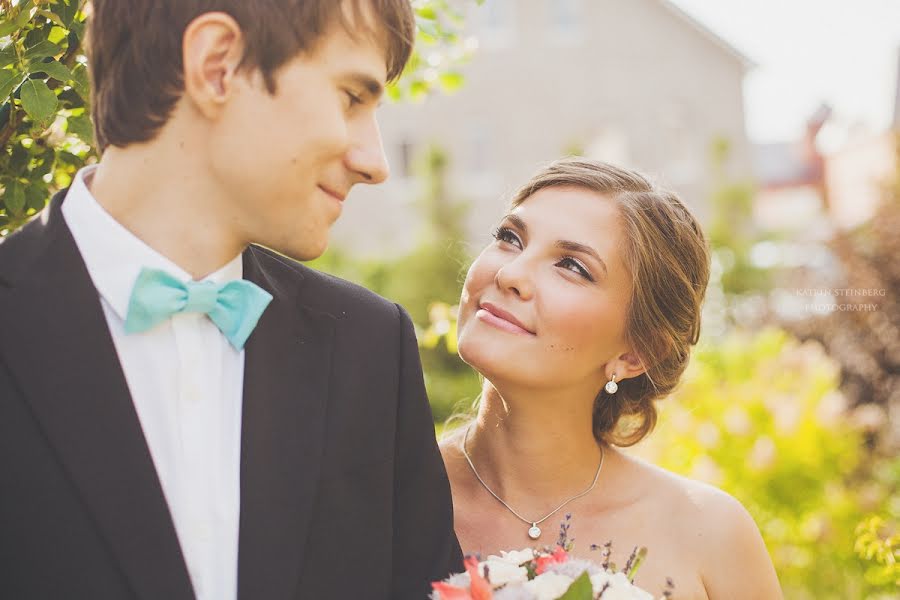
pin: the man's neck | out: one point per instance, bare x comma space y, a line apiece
164, 196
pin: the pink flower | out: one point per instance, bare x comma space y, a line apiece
451, 592
558, 556
480, 588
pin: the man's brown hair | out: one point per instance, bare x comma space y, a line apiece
135, 50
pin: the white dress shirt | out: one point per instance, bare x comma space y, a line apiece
186, 382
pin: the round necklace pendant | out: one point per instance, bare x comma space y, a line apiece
534, 532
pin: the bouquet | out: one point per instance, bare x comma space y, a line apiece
546, 574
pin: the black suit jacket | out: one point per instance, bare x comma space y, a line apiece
343, 491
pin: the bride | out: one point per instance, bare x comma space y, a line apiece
579, 315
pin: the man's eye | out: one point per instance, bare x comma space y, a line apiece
353, 99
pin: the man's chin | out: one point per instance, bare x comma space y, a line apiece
302, 253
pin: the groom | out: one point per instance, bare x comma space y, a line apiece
185, 413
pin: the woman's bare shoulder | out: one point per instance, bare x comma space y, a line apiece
714, 527
691, 499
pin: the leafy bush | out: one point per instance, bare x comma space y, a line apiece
761, 417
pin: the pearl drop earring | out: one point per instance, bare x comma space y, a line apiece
611, 386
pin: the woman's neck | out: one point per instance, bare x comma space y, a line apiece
534, 449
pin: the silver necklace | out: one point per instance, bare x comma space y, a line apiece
534, 532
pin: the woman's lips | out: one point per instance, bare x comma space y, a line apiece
501, 319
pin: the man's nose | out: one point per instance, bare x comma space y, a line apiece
366, 156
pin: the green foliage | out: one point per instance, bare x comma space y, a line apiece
879, 543
44, 105
731, 232
761, 417
439, 53
580, 589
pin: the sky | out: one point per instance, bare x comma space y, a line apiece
807, 52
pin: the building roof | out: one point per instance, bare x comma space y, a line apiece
782, 164
715, 38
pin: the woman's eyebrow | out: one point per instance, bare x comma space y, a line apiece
517, 221
570, 246
567, 245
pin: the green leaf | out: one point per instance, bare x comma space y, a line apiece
67, 158
81, 82
51, 16
8, 56
38, 100
36, 196
18, 160
77, 27
426, 12
14, 198
9, 80
23, 16
66, 9
451, 81
82, 127
418, 89
428, 31
70, 99
57, 34
8, 28
580, 589
42, 49
54, 69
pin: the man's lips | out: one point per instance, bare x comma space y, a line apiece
496, 316
334, 194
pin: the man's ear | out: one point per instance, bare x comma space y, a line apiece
212, 50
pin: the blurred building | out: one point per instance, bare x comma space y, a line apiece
637, 82
792, 192
809, 193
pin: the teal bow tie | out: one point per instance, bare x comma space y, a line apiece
235, 307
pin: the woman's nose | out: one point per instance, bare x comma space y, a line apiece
516, 277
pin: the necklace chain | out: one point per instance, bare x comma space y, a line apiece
534, 524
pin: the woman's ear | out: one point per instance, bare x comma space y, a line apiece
212, 51
625, 366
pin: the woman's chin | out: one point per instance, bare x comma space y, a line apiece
497, 367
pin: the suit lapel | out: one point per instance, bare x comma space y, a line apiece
59, 349
286, 376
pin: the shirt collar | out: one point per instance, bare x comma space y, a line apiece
113, 255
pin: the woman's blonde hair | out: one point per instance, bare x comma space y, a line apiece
667, 256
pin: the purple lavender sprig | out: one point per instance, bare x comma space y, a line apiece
634, 561
670, 587
564, 541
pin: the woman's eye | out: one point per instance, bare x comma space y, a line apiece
573, 265
505, 234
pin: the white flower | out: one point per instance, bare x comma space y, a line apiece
515, 557
501, 572
619, 587
549, 586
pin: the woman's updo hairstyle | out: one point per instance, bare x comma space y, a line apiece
667, 256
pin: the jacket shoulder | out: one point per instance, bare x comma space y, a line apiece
327, 293
20, 248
